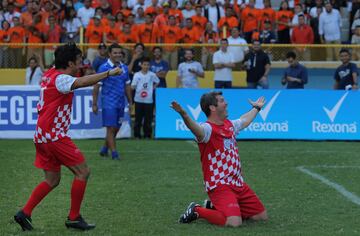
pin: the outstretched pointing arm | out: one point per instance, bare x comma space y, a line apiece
195, 128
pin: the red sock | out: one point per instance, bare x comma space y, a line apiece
36, 196
77, 195
212, 216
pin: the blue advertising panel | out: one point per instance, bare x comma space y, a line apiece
18, 114
288, 114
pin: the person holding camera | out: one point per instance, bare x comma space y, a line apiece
189, 71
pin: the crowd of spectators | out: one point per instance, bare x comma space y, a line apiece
168, 21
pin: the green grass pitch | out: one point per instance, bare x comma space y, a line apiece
145, 192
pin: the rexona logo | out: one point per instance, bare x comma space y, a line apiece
333, 127
268, 126
195, 113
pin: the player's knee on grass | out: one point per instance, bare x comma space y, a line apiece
262, 216
233, 221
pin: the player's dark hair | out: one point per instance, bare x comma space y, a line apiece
291, 54
145, 59
112, 46
344, 50
207, 100
140, 44
189, 50
157, 47
225, 40
65, 54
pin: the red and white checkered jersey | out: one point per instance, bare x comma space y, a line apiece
219, 154
54, 106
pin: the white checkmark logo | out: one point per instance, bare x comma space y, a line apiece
264, 112
195, 112
333, 112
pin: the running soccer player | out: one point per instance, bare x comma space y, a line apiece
232, 199
53, 146
114, 89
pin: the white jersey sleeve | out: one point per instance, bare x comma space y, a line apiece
207, 133
238, 125
64, 82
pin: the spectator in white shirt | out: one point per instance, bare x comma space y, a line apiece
10, 13
72, 25
85, 13
238, 52
33, 72
189, 71
313, 10
329, 30
223, 62
188, 11
213, 12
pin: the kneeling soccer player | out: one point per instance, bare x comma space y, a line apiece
231, 198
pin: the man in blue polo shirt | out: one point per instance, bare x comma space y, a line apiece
346, 75
296, 75
114, 89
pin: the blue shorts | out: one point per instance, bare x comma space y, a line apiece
112, 117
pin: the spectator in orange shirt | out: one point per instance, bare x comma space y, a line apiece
162, 19
190, 34
26, 17
125, 10
148, 32
35, 34
267, 14
128, 36
103, 17
154, 9
119, 19
111, 31
131, 21
199, 20
94, 35
302, 34
227, 22
209, 36
283, 20
49, 8
250, 18
17, 34
171, 34
5, 38
52, 34
176, 12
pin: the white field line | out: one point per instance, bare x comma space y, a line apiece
334, 167
349, 195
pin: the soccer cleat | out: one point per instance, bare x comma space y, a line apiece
190, 214
79, 223
104, 152
23, 220
115, 155
208, 204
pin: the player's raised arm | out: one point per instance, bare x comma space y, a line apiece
250, 115
89, 80
195, 128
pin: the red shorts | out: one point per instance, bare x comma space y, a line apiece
50, 156
236, 201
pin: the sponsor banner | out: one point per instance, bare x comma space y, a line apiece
288, 114
18, 114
